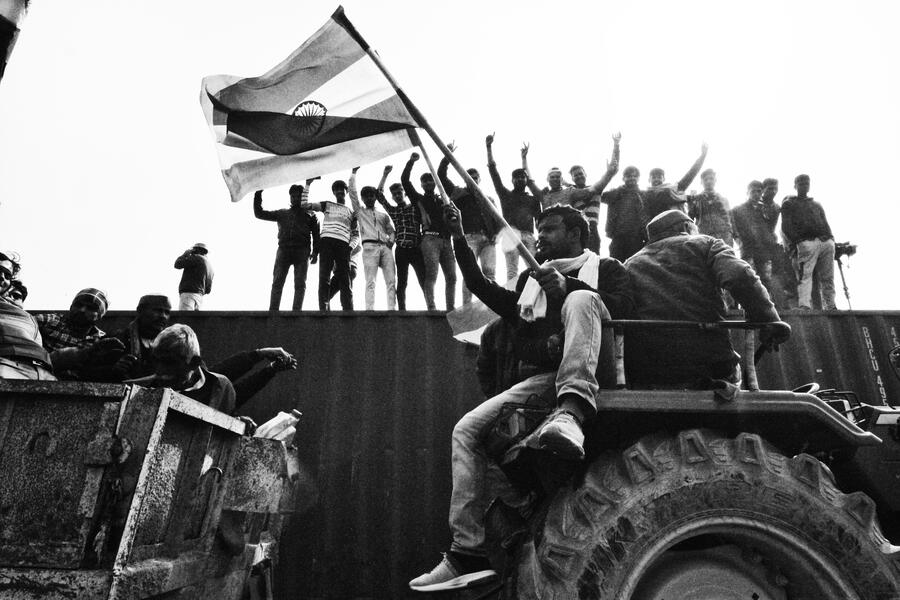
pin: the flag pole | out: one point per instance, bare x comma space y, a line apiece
340, 18
437, 180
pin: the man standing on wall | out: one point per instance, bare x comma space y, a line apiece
197, 278
295, 229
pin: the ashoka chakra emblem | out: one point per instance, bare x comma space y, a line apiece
311, 116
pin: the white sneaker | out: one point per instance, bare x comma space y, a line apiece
563, 436
447, 576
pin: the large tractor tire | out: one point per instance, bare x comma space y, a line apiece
701, 516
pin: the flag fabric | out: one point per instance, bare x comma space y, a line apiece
325, 108
469, 321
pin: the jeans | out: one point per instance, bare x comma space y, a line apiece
13, 369
486, 254
374, 256
406, 257
815, 258
477, 479
189, 301
512, 256
334, 254
438, 252
285, 258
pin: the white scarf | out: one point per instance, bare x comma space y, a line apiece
533, 299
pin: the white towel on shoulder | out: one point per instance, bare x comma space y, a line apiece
533, 299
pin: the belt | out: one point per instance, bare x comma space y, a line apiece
372, 242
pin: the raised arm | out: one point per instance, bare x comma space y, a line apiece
537, 192
612, 167
305, 204
411, 193
695, 168
449, 186
258, 212
351, 189
384, 176
496, 297
501, 189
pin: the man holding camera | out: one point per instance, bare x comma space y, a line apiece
197, 278
808, 235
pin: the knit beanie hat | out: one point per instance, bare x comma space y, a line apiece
98, 296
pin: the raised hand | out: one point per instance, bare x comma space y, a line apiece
489, 139
704, 147
454, 220
524, 151
414, 157
617, 137
452, 146
354, 170
388, 169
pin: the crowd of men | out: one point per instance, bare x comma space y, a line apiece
408, 229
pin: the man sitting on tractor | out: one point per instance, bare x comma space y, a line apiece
679, 275
556, 313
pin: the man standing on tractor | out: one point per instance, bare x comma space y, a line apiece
556, 312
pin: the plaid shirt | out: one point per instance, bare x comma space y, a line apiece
407, 223
56, 331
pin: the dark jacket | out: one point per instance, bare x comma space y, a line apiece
216, 392
198, 273
476, 218
430, 203
681, 278
754, 229
531, 337
496, 365
803, 219
295, 226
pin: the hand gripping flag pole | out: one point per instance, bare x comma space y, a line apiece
340, 18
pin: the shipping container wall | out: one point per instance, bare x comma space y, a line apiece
380, 393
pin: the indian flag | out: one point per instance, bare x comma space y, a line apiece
325, 108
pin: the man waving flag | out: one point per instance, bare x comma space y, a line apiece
325, 108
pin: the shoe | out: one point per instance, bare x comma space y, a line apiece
449, 576
562, 435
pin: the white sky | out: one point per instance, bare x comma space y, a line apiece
108, 170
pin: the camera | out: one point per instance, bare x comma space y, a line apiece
842, 249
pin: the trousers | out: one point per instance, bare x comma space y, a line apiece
476, 478
285, 258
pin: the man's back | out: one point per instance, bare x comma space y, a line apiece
197, 276
680, 278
